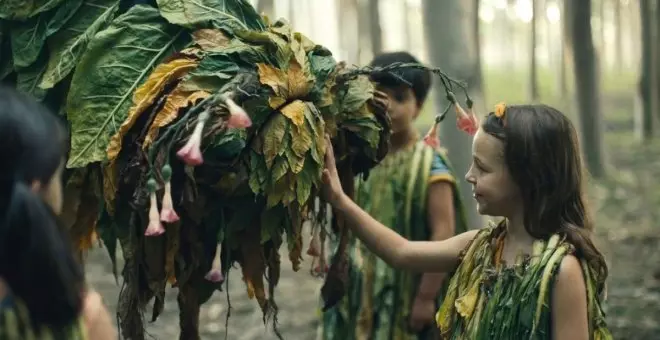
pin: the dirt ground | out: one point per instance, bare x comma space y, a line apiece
628, 232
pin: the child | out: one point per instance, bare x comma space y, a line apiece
536, 274
413, 192
42, 293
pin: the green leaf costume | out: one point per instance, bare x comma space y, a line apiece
380, 298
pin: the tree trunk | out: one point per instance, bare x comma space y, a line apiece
292, 14
647, 81
533, 77
267, 7
374, 28
586, 68
478, 80
364, 32
566, 50
618, 38
347, 15
405, 12
450, 37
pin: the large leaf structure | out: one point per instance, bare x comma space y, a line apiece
197, 139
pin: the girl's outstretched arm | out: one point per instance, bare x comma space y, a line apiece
397, 251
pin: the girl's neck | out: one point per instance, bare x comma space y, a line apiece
403, 139
516, 232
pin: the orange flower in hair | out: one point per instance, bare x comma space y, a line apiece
499, 110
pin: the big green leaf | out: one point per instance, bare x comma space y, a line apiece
28, 37
62, 15
23, 9
69, 43
116, 62
359, 91
6, 62
28, 79
234, 14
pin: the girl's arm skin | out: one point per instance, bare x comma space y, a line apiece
569, 302
98, 322
397, 251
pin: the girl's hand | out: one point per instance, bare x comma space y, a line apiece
332, 190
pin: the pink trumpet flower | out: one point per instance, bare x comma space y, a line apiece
155, 228
466, 122
314, 245
191, 153
431, 139
215, 274
238, 118
167, 213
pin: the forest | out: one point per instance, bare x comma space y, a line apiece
175, 64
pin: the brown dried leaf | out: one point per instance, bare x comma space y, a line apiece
209, 39
299, 83
145, 96
273, 77
179, 98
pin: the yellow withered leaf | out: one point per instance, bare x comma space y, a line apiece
273, 135
275, 102
301, 139
273, 77
209, 39
296, 112
146, 94
178, 99
109, 186
299, 83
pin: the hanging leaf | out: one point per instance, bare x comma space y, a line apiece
27, 40
176, 100
274, 131
359, 91
23, 9
105, 79
28, 79
146, 94
236, 14
61, 16
69, 43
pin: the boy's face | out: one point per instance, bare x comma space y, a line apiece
403, 107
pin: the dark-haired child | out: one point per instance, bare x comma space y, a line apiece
42, 290
413, 192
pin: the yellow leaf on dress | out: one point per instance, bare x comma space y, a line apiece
465, 304
273, 134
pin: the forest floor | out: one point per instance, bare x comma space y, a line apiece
628, 232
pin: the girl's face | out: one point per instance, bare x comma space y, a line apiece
492, 186
51, 192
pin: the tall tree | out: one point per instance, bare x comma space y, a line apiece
618, 36
267, 7
566, 47
374, 27
586, 68
451, 44
292, 14
405, 13
533, 76
348, 26
647, 81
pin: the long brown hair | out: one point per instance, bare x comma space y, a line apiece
542, 153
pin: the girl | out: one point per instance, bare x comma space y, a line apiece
536, 274
41, 284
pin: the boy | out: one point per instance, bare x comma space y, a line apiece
413, 191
